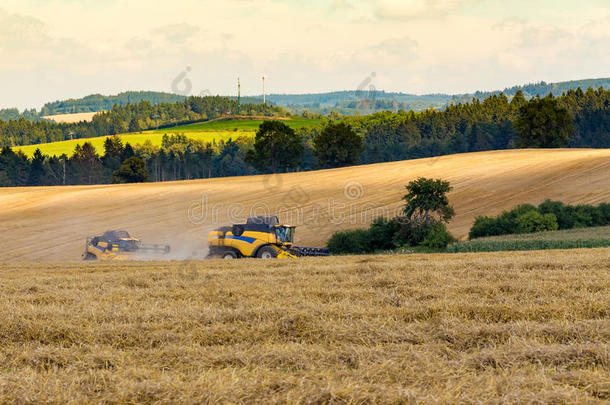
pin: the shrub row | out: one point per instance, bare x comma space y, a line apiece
384, 234
548, 216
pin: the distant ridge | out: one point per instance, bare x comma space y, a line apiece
347, 102
98, 102
535, 89
370, 100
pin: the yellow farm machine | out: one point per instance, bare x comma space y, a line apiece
119, 245
261, 237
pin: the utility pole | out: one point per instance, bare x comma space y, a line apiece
238, 96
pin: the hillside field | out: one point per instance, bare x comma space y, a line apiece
432, 329
71, 118
155, 137
51, 223
213, 131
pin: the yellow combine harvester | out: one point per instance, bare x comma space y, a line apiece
261, 237
119, 245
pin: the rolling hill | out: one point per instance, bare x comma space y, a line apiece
50, 224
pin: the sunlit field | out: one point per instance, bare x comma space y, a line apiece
155, 137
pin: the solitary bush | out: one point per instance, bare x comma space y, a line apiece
485, 226
355, 241
438, 237
587, 215
381, 234
411, 233
604, 209
534, 221
563, 213
504, 224
386, 234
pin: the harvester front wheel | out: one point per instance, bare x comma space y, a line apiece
229, 255
90, 256
267, 252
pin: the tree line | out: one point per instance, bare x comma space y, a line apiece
576, 119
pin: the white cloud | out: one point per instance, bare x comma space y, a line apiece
416, 9
56, 49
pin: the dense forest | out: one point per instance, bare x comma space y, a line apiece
575, 119
128, 118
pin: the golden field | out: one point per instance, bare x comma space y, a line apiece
51, 223
71, 118
493, 328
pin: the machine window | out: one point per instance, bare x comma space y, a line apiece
284, 234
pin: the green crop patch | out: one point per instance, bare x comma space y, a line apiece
579, 238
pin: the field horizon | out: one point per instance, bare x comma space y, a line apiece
51, 223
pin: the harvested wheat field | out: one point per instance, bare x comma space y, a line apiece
71, 118
437, 329
51, 223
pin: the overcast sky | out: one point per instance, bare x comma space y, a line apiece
57, 49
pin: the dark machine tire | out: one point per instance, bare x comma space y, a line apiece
229, 254
90, 257
266, 252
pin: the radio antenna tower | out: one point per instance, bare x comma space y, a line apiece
264, 99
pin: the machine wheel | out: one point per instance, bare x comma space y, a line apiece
266, 252
229, 255
90, 256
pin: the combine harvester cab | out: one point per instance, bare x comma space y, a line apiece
261, 237
119, 245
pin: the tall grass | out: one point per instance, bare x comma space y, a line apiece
517, 245
487, 328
